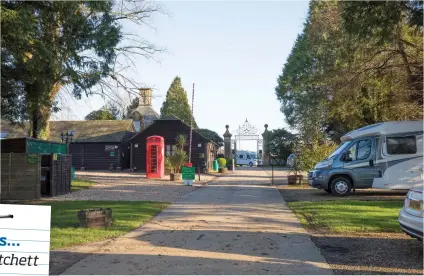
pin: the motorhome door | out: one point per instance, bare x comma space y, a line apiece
359, 160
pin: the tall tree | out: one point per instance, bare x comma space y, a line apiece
110, 111
211, 135
337, 79
176, 102
51, 45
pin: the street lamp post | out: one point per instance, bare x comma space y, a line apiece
67, 138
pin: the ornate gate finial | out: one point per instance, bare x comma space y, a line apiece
246, 120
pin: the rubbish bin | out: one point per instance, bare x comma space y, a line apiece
73, 172
215, 165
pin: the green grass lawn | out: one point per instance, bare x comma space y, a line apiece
349, 215
80, 184
127, 215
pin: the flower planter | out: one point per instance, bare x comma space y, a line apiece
230, 168
295, 179
175, 176
95, 218
222, 170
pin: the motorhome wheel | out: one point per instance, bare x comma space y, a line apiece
250, 164
341, 186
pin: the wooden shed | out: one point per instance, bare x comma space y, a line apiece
169, 127
32, 168
97, 144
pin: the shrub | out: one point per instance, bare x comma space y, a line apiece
177, 160
222, 162
312, 154
229, 161
168, 163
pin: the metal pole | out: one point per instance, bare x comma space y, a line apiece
191, 125
272, 168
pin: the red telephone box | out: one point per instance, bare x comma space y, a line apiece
155, 159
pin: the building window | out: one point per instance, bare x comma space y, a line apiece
402, 145
170, 150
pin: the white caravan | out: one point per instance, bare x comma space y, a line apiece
245, 158
386, 155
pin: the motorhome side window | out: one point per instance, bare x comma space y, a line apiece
241, 156
402, 145
248, 157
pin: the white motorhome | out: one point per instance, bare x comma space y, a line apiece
386, 155
245, 158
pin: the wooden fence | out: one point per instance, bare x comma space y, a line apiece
20, 176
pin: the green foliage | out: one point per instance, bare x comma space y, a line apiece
222, 162
168, 163
280, 143
211, 135
229, 161
48, 45
311, 154
179, 157
354, 64
176, 103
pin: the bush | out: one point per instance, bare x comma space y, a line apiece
222, 162
229, 161
312, 154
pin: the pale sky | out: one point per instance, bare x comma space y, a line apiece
233, 51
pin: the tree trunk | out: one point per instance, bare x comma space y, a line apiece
40, 111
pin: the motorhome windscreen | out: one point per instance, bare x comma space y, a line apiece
339, 149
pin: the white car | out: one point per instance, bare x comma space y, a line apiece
411, 215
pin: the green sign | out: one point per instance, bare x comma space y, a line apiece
188, 173
32, 158
112, 153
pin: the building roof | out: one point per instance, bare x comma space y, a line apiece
84, 131
171, 117
145, 110
385, 128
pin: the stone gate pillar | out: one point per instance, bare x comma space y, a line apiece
265, 147
227, 143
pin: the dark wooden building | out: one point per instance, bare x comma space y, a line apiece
169, 127
97, 144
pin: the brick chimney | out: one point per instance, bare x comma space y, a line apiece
145, 97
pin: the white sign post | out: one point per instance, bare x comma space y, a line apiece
24, 239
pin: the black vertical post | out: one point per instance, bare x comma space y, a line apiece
198, 171
272, 169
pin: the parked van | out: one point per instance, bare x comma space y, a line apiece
257, 158
246, 158
386, 155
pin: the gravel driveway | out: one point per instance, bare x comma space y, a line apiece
131, 187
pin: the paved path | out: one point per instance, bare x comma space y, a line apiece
237, 224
